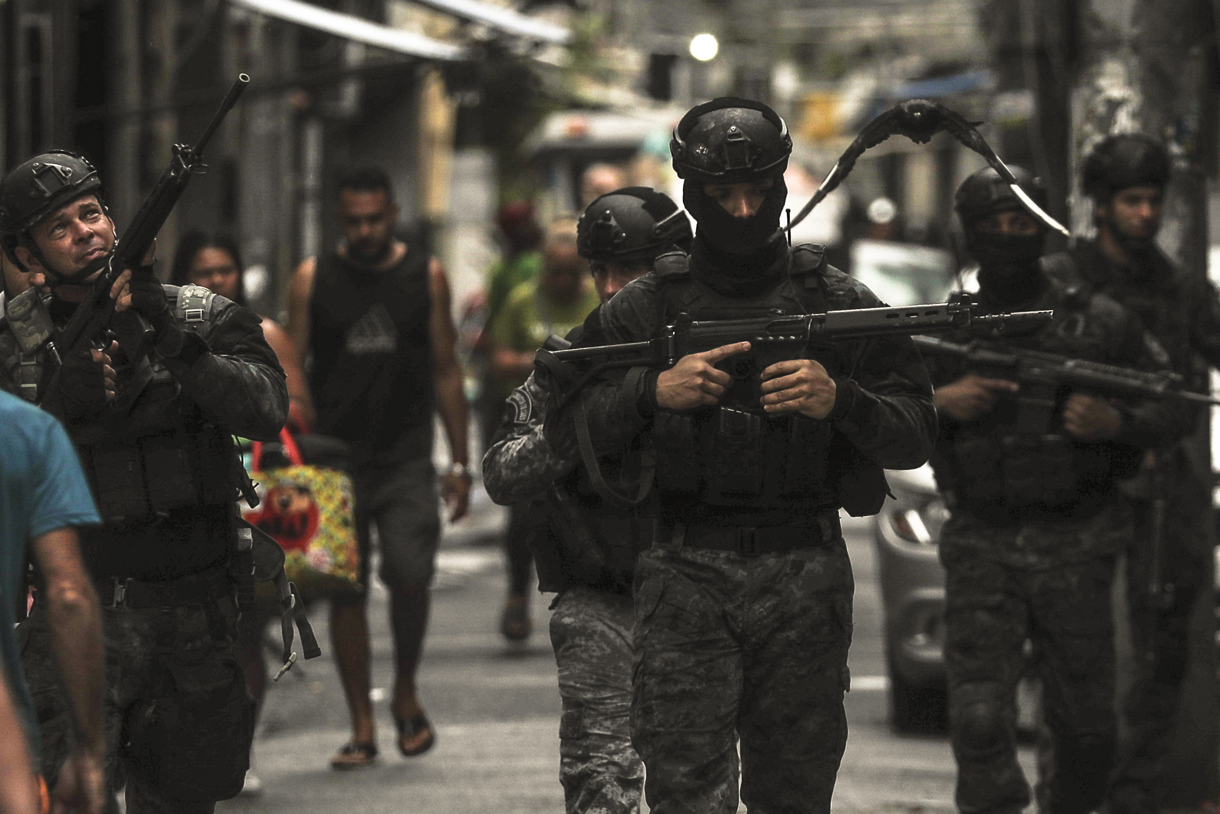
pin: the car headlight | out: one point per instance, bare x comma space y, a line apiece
920, 522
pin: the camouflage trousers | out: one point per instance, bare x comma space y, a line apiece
178, 719
1150, 708
591, 636
730, 647
992, 610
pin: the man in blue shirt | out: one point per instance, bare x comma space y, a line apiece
43, 498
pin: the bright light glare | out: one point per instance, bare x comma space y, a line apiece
704, 47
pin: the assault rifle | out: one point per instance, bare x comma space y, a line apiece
1038, 368
96, 311
777, 338
1042, 373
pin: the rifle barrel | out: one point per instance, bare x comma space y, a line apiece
226, 105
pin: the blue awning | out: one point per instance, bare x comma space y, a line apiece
943, 86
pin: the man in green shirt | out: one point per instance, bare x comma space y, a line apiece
559, 301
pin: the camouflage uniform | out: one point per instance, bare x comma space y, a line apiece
1183, 313
178, 717
590, 625
752, 642
1029, 553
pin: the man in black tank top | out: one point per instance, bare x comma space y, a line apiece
374, 315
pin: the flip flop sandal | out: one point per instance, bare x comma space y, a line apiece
354, 755
409, 729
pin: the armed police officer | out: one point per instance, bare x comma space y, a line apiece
154, 435
1126, 175
1036, 520
587, 552
743, 603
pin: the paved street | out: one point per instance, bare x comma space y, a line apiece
497, 708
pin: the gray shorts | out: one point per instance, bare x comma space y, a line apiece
404, 505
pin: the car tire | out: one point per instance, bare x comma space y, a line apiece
918, 709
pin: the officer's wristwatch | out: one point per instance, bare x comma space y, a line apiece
459, 469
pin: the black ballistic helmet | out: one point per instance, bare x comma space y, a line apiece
1122, 161
635, 223
37, 188
730, 140
985, 193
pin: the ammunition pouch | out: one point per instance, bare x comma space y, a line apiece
730, 456
859, 483
192, 739
1017, 471
595, 546
143, 478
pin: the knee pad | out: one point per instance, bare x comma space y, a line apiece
978, 726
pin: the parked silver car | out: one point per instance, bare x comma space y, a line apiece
913, 600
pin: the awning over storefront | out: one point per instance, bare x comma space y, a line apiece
357, 29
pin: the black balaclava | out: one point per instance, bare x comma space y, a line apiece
740, 236
736, 255
1008, 264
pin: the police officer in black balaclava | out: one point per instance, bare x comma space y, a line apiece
743, 601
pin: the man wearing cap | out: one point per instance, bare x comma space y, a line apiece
743, 602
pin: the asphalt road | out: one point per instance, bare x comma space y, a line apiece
496, 708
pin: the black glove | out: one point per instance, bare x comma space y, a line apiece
149, 301
85, 384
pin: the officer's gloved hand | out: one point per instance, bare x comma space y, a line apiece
149, 301
86, 382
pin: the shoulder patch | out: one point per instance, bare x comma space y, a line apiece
519, 407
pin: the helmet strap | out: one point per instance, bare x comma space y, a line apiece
55, 278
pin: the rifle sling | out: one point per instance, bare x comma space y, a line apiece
596, 478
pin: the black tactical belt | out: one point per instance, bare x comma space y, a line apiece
196, 589
751, 541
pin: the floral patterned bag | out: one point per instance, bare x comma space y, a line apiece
309, 510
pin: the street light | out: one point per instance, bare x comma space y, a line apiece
704, 47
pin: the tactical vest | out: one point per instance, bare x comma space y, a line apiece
1018, 458
142, 458
734, 455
